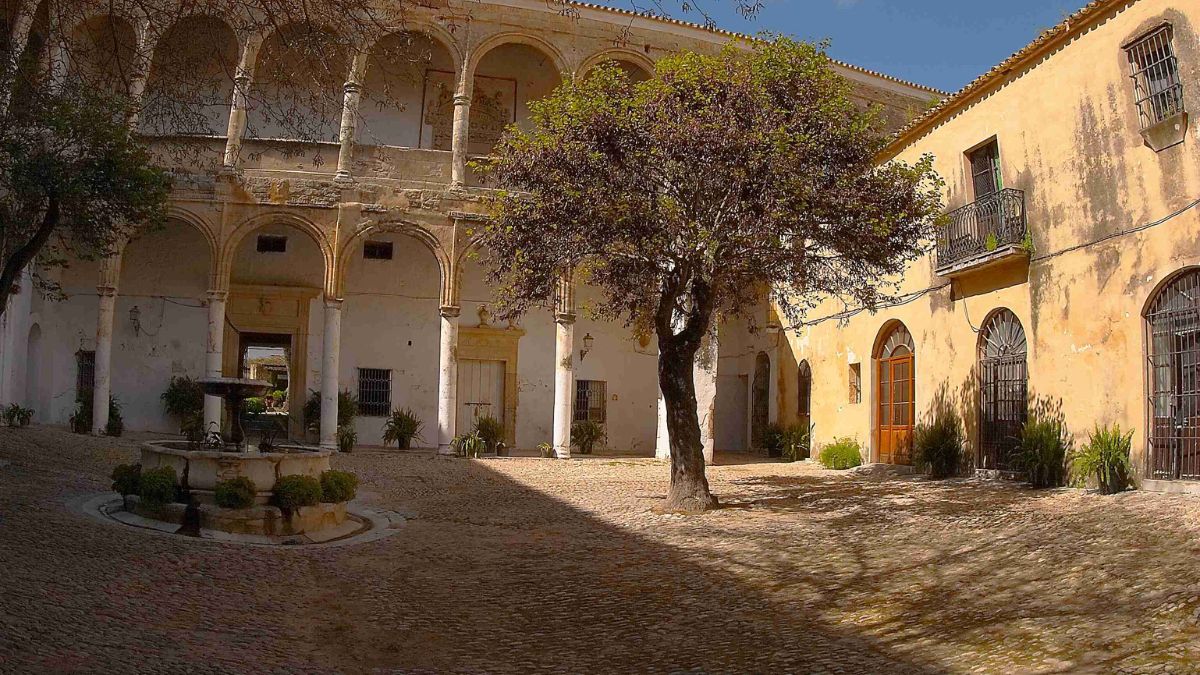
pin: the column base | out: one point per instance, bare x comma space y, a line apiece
446, 450
562, 453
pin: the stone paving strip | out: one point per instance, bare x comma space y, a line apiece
530, 565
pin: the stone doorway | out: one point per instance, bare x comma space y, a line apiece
760, 404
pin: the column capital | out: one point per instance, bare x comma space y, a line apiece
351, 87
333, 303
564, 317
450, 311
216, 295
462, 99
106, 290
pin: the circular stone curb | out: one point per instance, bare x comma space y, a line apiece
96, 507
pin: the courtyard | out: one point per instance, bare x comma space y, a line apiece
518, 565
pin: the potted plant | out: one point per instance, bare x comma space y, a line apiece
1104, 457
401, 427
491, 430
585, 434
184, 400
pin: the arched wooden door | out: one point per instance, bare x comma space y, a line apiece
895, 376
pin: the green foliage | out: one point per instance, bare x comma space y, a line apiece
1027, 243
338, 486
279, 395
585, 434
17, 416
546, 451
75, 181
401, 428
469, 445
938, 444
491, 430
347, 409
81, 419
843, 453
183, 399
772, 440
158, 486
991, 243
796, 442
255, 405
126, 478
235, 493
293, 492
1104, 457
347, 438
1043, 450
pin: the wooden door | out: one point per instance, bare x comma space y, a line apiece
894, 417
480, 392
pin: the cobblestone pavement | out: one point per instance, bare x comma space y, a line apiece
521, 565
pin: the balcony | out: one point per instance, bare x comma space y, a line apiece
983, 233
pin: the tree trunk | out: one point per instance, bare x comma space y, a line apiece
689, 486
20, 259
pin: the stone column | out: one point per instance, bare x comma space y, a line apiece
350, 103
146, 41
460, 138
331, 345
564, 382
242, 80
102, 374
213, 356
448, 378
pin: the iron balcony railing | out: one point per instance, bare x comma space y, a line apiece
985, 225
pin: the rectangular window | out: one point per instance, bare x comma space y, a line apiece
85, 374
985, 170
272, 243
377, 250
1155, 73
374, 392
855, 383
590, 401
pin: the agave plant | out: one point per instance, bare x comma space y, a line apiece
401, 428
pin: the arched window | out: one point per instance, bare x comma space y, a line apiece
1173, 323
895, 394
804, 392
1003, 389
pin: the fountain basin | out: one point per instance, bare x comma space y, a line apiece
203, 469
260, 523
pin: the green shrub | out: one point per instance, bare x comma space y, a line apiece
81, 419
546, 451
158, 486
938, 444
255, 405
585, 434
1042, 451
796, 443
491, 431
772, 440
279, 395
1106, 458
183, 400
347, 438
17, 416
125, 479
338, 486
292, 492
843, 453
468, 445
401, 428
347, 409
235, 493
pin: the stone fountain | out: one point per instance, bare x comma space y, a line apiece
234, 391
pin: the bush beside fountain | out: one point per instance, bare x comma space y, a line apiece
299, 504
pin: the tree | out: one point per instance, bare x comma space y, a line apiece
683, 197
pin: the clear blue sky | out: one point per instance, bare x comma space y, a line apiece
939, 43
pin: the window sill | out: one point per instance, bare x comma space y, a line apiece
1168, 133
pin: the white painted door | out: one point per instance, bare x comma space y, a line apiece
480, 392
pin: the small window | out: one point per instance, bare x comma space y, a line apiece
377, 250
1155, 73
855, 383
374, 392
804, 390
590, 401
272, 243
985, 170
85, 374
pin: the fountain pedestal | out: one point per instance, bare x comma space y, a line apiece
234, 391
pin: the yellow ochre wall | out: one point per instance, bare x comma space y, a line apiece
1069, 136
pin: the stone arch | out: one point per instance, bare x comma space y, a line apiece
195, 220
195, 59
249, 225
619, 54
409, 74
102, 49
448, 284
435, 32
515, 37
299, 80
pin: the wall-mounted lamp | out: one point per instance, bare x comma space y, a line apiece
135, 318
588, 341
